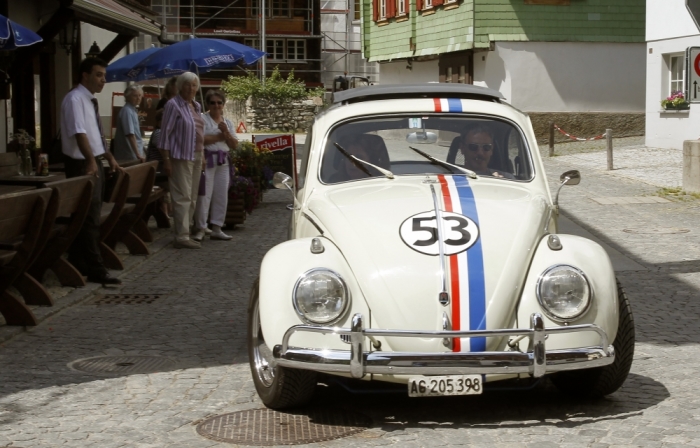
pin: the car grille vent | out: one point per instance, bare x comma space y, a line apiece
345, 338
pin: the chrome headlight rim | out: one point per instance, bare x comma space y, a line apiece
547, 311
346, 305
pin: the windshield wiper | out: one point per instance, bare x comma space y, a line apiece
447, 165
357, 163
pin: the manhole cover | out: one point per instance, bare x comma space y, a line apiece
266, 427
123, 365
657, 231
125, 299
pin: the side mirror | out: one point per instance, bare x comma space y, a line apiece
422, 137
572, 177
281, 181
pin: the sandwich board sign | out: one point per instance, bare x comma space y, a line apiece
283, 148
693, 78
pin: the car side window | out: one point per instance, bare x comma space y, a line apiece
304, 163
521, 170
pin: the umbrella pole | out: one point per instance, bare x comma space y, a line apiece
201, 95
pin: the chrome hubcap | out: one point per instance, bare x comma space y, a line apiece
261, 353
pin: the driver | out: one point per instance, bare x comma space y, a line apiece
477, 147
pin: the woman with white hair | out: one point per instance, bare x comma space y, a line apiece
181, 145
128, 144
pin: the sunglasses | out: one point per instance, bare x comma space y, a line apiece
474, 147
216, 102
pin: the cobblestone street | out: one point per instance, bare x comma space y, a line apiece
198, 325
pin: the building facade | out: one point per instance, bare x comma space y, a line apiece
292, 31
40, 75
546, 56
341, 22
666, 72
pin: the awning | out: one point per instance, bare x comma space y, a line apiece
113, 16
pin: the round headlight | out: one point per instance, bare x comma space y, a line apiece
320, 296
563, 292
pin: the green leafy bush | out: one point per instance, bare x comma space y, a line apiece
275, 88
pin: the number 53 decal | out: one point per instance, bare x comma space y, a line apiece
419, 232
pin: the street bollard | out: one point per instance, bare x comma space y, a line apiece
551, 139
608, 137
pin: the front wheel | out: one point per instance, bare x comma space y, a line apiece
603, 381
278, 387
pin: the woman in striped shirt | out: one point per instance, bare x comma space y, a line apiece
181, 144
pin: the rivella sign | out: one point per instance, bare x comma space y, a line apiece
283, 151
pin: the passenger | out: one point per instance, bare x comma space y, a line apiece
477, 147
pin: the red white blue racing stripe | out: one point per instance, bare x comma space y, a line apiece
466, 269
447, 104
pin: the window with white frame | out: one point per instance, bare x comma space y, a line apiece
382, 9
428, 4
280, 8
401, 7
275, 48
252, 43
677, 75
296, 49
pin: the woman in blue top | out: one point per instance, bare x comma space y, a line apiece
128, 144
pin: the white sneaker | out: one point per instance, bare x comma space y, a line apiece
207, 231
198, 236
220, 236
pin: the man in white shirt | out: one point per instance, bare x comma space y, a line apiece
84, 148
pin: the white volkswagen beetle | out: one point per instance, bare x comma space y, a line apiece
423, 250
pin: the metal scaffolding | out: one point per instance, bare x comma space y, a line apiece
341, 51
291, 32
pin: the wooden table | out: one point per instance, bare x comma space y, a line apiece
33, 181
9, 189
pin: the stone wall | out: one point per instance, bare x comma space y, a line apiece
263, 115
586, 124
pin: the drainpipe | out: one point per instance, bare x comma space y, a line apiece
163, 37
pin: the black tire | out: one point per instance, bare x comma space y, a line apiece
277, 387
601, 381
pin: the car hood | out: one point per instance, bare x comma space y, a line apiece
373, 223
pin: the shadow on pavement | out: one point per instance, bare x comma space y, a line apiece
544, 405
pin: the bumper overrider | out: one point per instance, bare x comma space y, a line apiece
357, 362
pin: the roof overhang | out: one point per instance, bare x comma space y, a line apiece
114, 16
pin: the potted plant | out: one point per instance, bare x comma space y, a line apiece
675, 102
251, 161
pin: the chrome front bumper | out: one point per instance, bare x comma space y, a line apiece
537, 361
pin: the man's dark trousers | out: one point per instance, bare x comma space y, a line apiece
85, 253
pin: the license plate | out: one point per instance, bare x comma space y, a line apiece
438, 386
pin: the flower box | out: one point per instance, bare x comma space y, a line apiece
675, 102
671, 106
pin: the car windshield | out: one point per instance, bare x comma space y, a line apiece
486, 146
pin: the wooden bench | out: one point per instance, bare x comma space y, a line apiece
21, 216
74, 195
112, 210
141, 180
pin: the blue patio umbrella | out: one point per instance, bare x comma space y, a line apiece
120, 70
13, 35
196, 55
